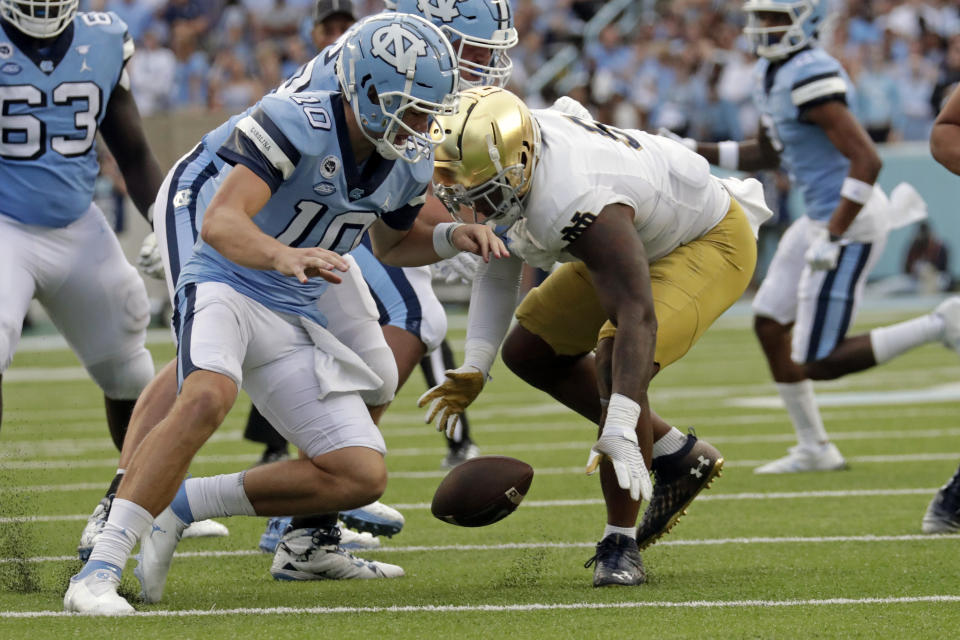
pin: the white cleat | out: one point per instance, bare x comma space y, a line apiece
375, 518
949, 311
93, 529
825, 457
315, 554
156, 554
350, 539
96, 594
206, 529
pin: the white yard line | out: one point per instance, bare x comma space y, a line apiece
552, 504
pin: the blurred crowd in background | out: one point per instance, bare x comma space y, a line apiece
680, 64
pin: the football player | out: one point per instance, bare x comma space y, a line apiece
63, 78
943, 513
254, 299
654, 250
813, 287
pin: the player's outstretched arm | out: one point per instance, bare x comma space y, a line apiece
228, 227
617, 260
426, 243
122, 130
945, 137
750, 155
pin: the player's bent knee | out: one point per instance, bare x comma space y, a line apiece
123, 378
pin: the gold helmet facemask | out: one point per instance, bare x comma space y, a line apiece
488, 156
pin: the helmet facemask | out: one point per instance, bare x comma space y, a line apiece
41, 19
778, 41
496, 71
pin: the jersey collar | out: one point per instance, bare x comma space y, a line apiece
40, 51
360, 182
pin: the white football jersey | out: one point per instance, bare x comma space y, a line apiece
585, 166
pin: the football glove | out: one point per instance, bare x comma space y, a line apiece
620, 446
460, 268
449, 399
823, 252
569, 106
150, 260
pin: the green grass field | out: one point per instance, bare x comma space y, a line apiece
836, 554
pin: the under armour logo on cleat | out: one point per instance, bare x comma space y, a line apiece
621, 575
698, 470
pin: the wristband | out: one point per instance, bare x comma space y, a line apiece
443, 239
622, 414
729, 155
856, 190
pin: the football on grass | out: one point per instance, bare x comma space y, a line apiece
482, 491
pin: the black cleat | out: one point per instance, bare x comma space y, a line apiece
943, 514
680, 477
617, 561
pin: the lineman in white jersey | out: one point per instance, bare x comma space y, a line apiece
251, 310
63, 78
811, 292
649, 239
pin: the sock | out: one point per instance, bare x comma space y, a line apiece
115, 483
801, 405
128, 522
325, 521
630, 532
672, 442
216, 496
889, 342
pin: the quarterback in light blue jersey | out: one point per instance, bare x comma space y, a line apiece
811, 292
273, 210
63, 79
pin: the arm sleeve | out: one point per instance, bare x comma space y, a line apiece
493, 300
258, 143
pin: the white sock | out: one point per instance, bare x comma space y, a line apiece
630, 532
672, 442
801, 405
889, 342
218, 496
127, 523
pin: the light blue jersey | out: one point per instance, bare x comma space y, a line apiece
52, 100
299, 145
782, 92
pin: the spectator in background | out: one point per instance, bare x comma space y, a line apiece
153, 74
136, 13
915, 81
231, 87
949, 77
269, 71
330, 21
928, 261
280, 21
877, 97
195, 15
191, 70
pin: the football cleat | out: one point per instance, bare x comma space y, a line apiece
376, 519
206, 529
276, 527
466, 451
943, 514
156, 554
93, 528
617, 562
316, 554
824, 457
949, 311
350, 539
680, 477
93, 591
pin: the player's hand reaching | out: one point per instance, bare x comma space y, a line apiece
479, 239
150, 260
620, 446
312, 262
450, 398
824, 251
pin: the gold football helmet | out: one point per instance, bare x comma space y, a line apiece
487, 156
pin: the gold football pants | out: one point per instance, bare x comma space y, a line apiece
692, 286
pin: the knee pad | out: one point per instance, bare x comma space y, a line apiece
123, 378
381, 360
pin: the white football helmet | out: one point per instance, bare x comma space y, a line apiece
39, 18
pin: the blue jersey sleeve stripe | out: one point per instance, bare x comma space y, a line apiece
271, 129
238, 149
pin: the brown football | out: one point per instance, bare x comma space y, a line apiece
482, 491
